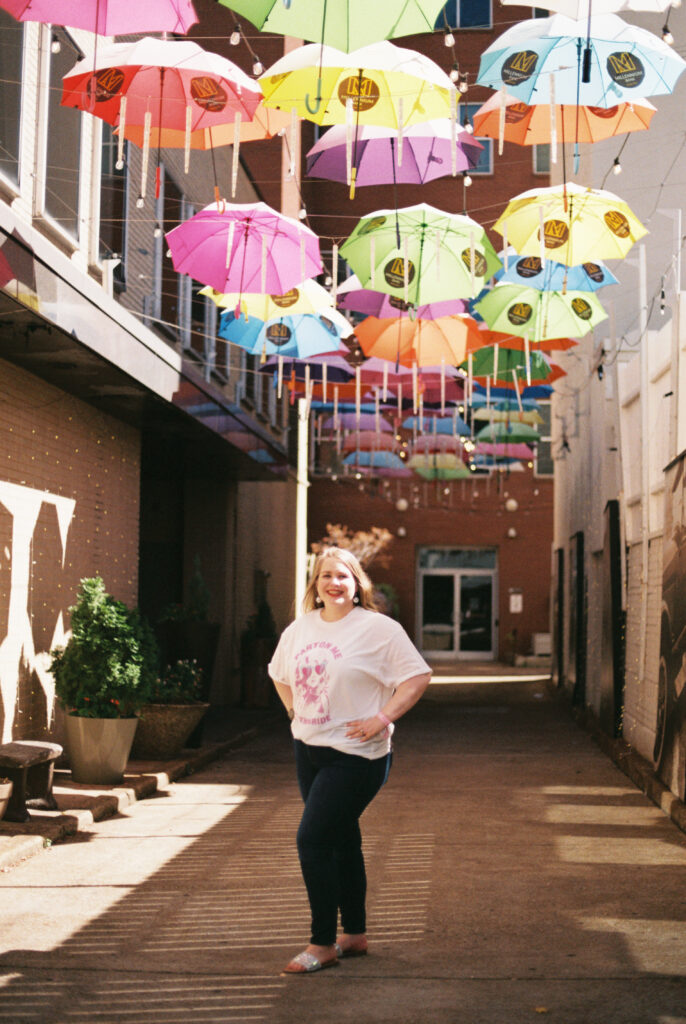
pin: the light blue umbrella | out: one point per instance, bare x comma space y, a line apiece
375, 460
299, 336
553, 277
437, 425
623, 62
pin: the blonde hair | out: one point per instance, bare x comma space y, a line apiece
364, 590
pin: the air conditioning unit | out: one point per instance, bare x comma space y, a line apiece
540, 643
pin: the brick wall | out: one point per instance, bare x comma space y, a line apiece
69, 508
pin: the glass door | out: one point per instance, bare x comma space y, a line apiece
438, 613
476, 615
456, 614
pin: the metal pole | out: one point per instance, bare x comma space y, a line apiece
302, 484
645, 465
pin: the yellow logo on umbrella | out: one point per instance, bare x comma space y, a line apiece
278, 334
530, 266
364, 92
394, 272
516, 112
519, 67
555, 233
582, 308
594, 272
287, 299
108, 82
617, 223
519, 313
479, 261
208, 94
625, 69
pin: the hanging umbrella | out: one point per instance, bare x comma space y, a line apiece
365, 421
369, 441
509, 340
551, 276
242, 248
379, 84
420, 254
539, 315
347, 25
424, 342
328, 364
508, 433
439, 466
376, 460
263, 124
444, 426
490, 364
306, 297
442, 443
300, 335
431, 150
515, 415
107, 17
505, 451
351, 295
624, 62
536, 124
578, 224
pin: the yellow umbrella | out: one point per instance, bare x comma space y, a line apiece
570, 224
308, 297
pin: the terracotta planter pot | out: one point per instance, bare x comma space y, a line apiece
99, 748
5, 794
164, 729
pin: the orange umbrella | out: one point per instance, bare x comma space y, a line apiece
448, 339
515, 342
531, 125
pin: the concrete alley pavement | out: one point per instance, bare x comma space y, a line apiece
515, 874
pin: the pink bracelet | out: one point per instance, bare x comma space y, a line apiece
384, 718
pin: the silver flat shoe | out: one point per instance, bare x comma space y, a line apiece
308, 963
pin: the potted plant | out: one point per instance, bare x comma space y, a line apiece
5, 794
174, 710
103, 676
258, 642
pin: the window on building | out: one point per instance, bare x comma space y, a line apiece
544, 465
113, 186
172, 283
466, 14
11, 60
541, 158
466, 112
63, 148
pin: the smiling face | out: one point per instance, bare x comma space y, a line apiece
336, 588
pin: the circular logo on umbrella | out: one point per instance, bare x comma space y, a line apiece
555, 233
607, 112
519, 67
399, 303
363, 91
530, 266
516, 112
327, 324
394, 272
108, 82
479, 261
287, 299
371, 225
626, 69
278, 334
519, 313
617, 223
208, 94
594, 272
582, 308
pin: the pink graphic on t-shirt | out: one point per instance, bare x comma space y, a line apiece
311, 697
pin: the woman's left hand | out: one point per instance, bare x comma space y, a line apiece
364, 728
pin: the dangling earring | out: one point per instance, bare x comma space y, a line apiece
318, 601
356, 599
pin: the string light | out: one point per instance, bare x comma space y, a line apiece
454, 73
448, 38
667, 36
464, 84
55, 44
235, 37
616, 167
257, 68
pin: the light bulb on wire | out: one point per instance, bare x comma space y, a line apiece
55, 44
467, 180
235, 37
616, 166
454, 73
468, 126
257, 68
464, 84
449, 38
667, 36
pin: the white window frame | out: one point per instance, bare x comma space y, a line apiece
454, 7
14, 187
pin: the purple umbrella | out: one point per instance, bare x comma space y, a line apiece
429, 150
337, 369
350, 421
363, 300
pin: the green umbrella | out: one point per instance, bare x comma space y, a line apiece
420, 254
492, 360
539, 316
508, 433
345, 24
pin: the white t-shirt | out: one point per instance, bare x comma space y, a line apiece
342, 671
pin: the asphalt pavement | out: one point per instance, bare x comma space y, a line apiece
515, 874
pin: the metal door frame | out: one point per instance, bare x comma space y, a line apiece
457, 654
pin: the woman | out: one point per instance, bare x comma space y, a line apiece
345, 674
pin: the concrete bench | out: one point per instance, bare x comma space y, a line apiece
30, 765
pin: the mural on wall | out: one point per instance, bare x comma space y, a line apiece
669, 753
34, 526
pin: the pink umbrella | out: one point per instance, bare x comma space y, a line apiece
507, 451
436, 443
364, 300
369, 440
349, 421
245, 247
107, 17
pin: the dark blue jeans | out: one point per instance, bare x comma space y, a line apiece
336, 788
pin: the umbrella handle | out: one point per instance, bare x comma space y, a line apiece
318, 100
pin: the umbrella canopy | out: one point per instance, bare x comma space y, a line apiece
579, 224
508, 433
377, 460
501, 366
348, 24
369, 440
424, 342
533, 125
444, 426
306, 297
540, 315
427, 443
163, 79
328, 364
381, 84
238, 247
440, 466
420, 254
495, 415
625, 62
431, 150
351, 295
263, 124
505, 451
107, 17
365, 421
300, 335
551, 276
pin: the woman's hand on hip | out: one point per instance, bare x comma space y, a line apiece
364, 728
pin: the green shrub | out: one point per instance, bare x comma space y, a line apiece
179, 684
108, 667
